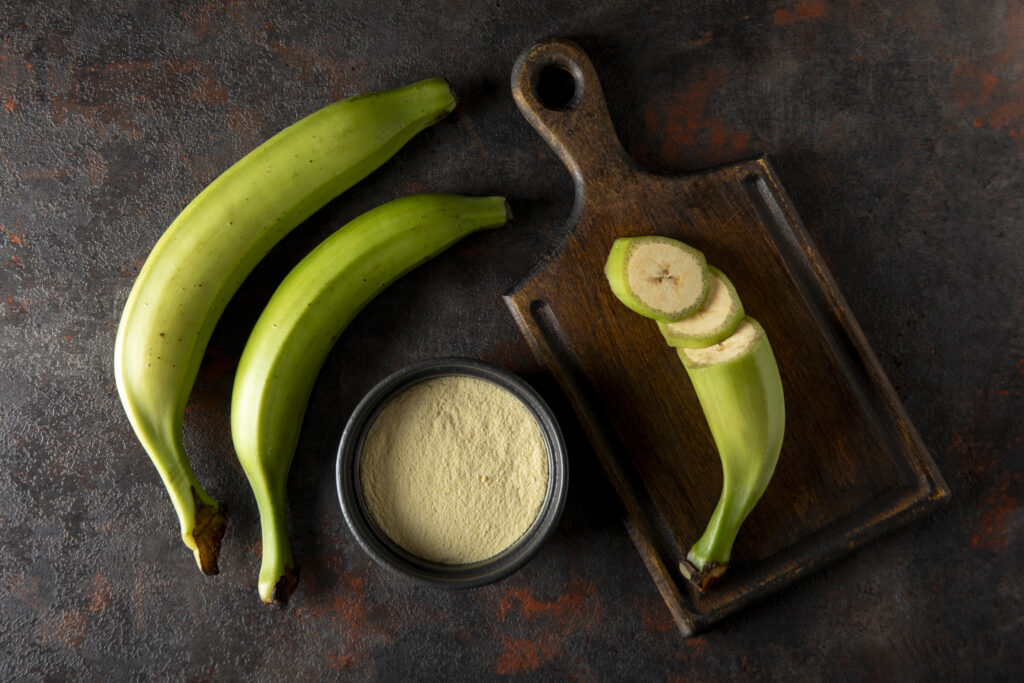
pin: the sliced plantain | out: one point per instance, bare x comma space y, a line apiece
717, 318
658, 277
740, 391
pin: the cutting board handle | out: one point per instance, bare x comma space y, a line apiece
558, 92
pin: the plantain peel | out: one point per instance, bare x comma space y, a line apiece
209, 249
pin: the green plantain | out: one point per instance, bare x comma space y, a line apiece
209, 249
301, 323
740, 391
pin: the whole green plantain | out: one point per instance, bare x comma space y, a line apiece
209, 249
300, 324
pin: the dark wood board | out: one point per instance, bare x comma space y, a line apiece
852, 465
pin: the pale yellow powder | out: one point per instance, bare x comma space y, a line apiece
454, 469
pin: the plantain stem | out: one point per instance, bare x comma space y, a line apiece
709, 556
278, 576
210, 525
715, 545
202, 519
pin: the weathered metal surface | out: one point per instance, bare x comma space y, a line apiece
897, 130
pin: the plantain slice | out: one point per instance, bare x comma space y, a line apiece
658, 277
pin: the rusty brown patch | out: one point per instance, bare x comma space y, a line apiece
68, 628
573, 605
722, 137
347, 615
347, 78
340, 661
351, 609
9, 105
347, 609
802, 12
100, 119
922, 20
520, 656
991, 88
1000, 505
15, 239
92, 93
245, 124
200, 18
694, 647
45, 173
301, 57
210, 92
99, 594
25, 588
704, 38
95, 166
657, 620
578, 608
685, 118
988, 84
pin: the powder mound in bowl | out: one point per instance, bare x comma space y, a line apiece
454, 469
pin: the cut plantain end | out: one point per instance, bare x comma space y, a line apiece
716, 319
740, 342
658, 277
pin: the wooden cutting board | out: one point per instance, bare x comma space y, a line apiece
852, 465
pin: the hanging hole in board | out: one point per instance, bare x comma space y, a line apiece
556, 88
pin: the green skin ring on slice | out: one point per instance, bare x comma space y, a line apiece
716, 319
658, 277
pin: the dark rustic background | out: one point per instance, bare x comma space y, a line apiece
897, 128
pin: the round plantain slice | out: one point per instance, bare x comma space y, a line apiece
658, 277
716, 319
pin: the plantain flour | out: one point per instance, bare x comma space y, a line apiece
454, 469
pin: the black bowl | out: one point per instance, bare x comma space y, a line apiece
389, 554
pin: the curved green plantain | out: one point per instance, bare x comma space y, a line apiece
301, 323
740, 391
211, 247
